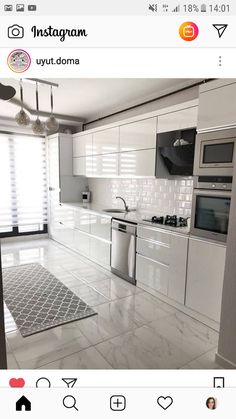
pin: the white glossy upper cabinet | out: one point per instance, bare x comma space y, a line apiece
205, 277
106, 141
217, 104
182, 119
138, 135
82, 145
106, 165
65, 154
137, 163
83, 166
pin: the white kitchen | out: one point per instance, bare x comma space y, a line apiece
116, 223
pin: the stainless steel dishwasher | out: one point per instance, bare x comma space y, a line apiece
123, 252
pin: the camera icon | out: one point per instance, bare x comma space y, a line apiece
16, 31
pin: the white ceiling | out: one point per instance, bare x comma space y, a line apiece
89, 99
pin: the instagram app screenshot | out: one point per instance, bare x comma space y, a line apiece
117, 209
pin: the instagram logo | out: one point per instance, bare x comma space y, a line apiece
188, 31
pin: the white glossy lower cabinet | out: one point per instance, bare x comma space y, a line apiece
68, 235
151, 249
83, 231
56, 231
81, 243
205, 276
82, 220
152, 274
62, 233
100, 226
162, 261
100, 251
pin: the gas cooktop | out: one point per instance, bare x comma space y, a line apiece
169, 220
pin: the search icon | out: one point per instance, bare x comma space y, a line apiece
69, 402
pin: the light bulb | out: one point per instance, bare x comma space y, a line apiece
22, 118
52, 125
38, 127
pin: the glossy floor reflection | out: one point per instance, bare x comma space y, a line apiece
133, 329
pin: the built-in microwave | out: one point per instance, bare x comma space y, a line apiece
214, 153
210, 208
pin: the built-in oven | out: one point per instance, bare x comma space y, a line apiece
214, 153
211, 207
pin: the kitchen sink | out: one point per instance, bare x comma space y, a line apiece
114, 210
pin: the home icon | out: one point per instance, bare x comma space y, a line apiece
23, 404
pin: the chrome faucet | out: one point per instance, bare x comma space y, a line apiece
126, 206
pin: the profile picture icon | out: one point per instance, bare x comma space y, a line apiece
211, 403
18, 60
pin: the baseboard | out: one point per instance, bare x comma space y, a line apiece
24, 238
225, 363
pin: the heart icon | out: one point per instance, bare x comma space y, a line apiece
17, 382
165, 402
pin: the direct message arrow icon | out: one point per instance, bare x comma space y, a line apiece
221, 28
70, 382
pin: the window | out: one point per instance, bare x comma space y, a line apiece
23, 185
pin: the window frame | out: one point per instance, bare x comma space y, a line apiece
15, 229
15, 232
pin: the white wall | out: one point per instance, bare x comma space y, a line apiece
170, 100
226, 355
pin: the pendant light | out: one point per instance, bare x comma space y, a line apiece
52, 125
21, 117
7, 92
38, 127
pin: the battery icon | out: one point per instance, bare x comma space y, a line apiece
203, 8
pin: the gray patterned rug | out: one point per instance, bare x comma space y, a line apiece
38, 301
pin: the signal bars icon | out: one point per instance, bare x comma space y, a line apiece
176, 9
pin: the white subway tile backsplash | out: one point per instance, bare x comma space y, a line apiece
159, 196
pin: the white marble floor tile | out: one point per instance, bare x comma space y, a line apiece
133, 329
70, 280
98, 329
11, 362
204, 362
156, 302
89, 295
132, 311
142, 349
36, 350
115, 288
87, 359
119, 315
90, 274
10, 324
188, 334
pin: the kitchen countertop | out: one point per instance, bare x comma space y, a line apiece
136, 217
